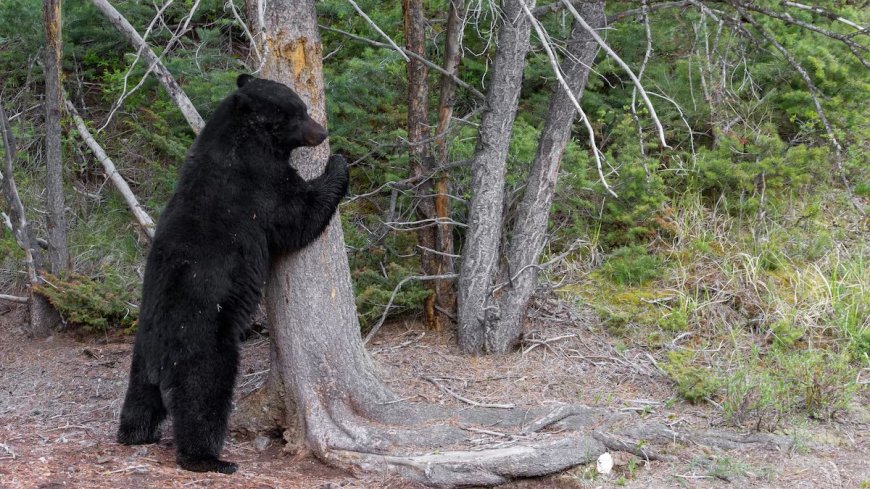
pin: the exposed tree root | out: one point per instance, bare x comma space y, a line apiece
484, 446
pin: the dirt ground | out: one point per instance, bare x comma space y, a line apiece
60, 398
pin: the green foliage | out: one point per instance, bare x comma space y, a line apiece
693, 383
94, 304
632, 265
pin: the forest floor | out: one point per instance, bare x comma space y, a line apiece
60, 398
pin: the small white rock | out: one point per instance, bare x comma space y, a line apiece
604, 464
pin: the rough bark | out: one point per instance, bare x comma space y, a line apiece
58, 255
419, 160
139, 213
530, 228
163, 75
481, 249
445, 289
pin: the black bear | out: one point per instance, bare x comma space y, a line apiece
238, 203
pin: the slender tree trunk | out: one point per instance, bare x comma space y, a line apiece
58, 255
530, 228
445, 289
419, 160
481, 249
43, 317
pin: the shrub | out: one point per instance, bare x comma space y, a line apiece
93, 304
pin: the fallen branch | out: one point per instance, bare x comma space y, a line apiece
465, 399
14, 298
163, 75
142, 217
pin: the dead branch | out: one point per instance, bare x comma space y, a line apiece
814, 93
824, 13
14, 298
163, 75
539, 29
378, 29
853, 46
610, 52
17, 223
142, 217
465, 399
412, 54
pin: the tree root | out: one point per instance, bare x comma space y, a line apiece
480, 446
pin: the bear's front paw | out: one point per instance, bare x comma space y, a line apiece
337, 169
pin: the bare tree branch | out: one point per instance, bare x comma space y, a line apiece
412, 54
405, 280
18, 222
853, 46
620, 62
558, 72
378, 29
138, 211
163, 75
824, 13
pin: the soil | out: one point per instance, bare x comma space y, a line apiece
60, 398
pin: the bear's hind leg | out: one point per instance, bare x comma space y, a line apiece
143, 408
200, 397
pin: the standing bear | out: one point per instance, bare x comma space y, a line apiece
237, 205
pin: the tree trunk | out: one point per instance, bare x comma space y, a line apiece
530, 228
445, 289
43, 317
58, 255
419, 160
481, 249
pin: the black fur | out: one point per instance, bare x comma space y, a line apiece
238, 203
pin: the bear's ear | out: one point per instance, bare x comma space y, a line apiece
243, 80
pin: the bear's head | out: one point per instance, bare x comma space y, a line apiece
277, 110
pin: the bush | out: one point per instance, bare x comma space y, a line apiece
94, 305
632, 265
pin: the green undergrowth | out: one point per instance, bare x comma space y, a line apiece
95, 304
764, 319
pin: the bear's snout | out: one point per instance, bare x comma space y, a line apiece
313, 133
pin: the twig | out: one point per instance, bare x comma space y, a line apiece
377, 326
558, 72
620, 62
382, 33
465, 399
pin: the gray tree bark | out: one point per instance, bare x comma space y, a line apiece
58, 255
43, 317
529, 235
481, 249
